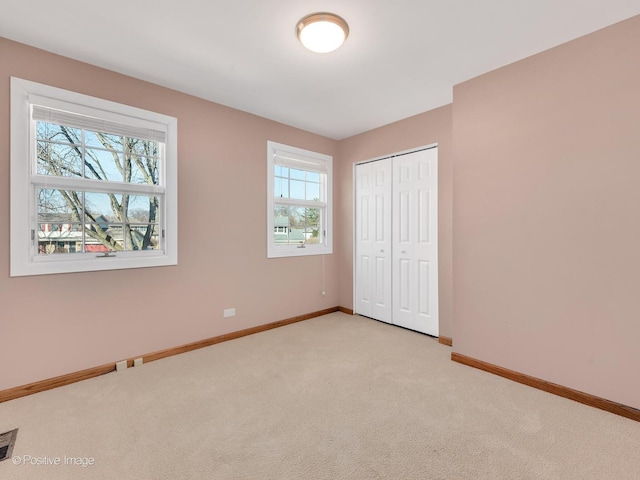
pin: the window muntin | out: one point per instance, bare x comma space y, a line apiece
297, 184
89, 176
299, 206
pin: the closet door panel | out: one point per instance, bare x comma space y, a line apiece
426, 246
381, 217
363, 244
415, 282
373, 240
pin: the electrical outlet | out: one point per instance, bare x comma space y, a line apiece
120, 366
229, 312
138, 362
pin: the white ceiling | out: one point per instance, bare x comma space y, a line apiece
402, 57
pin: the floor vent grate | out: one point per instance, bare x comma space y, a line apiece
7, 441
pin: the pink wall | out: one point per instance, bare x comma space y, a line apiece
547, 215
57, 324
424, 129
541, 249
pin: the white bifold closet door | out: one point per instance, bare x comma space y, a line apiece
396, 261
415, 241
373, 240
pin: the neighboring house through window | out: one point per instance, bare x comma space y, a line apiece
299, 210
93, 183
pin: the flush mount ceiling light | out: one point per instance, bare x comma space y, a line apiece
322, 32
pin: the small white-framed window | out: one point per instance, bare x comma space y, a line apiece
299, 206
93, 183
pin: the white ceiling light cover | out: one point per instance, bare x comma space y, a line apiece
322, 32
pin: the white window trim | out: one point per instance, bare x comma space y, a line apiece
24, 260
326, 161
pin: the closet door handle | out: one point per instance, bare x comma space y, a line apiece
381, 250
404, 252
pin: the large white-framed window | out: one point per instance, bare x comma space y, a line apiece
299, 201
93, 183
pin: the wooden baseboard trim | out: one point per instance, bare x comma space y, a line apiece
48, 384
169, 352
446, 341
348, 311
566, 392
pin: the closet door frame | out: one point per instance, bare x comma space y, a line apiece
355, 219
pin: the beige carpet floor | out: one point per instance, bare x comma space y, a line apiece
336, 397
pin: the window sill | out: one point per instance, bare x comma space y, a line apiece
281, 251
